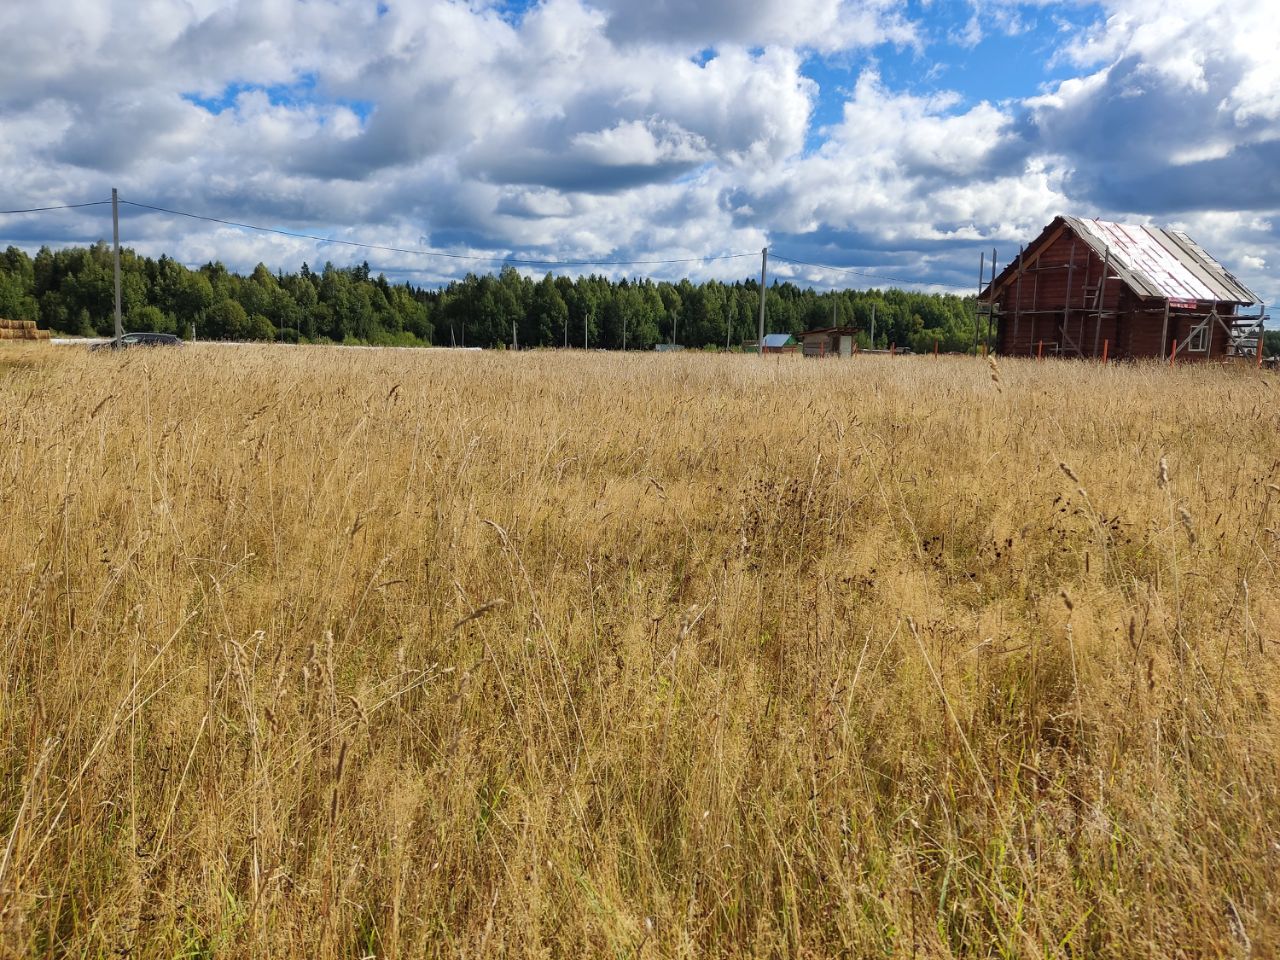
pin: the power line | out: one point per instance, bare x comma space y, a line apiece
435, 253
521, 261
863, 273
61, 206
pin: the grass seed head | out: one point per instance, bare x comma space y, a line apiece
1185, 516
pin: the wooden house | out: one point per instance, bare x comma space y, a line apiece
828, 342
1091, 288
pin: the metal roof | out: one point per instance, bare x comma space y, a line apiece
1154, 262
1162, 263
772, 340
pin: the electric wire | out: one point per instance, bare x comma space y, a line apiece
521, 261
60, 206
862, 273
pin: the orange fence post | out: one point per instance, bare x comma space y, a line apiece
1173, 353
1105, 345
891, 348
1040, 351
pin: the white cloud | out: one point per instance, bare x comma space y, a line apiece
604, 129
1200, 45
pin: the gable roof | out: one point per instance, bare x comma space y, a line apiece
829, 331
772, 340
1154, 262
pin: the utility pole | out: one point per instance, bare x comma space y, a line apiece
764, 266
991, 300
586, 319
982, 269
115, 231
873, 324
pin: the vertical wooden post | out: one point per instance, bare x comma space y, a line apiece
1035, 300
1040, 351
115, 230
1174, 352
1066, 300
1262, 315
1164, 333
764, 266
1105, 344
1017, 298
935, 352
977, 300
991, 302
1097, 302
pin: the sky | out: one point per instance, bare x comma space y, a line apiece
894, 140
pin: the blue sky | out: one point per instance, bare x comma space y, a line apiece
894, 139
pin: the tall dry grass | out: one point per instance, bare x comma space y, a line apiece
344, 653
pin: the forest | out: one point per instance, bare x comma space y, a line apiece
71, 291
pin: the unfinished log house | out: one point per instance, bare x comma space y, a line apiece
1091, 288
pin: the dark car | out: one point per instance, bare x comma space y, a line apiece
140, 340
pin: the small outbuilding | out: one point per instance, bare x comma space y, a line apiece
778, 343
1089, 288
828, 342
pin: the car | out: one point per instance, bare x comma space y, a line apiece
140, 340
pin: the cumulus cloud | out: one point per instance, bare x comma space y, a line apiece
578, 129
1176, 120
819, 24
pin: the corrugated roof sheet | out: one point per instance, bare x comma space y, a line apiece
1161, 263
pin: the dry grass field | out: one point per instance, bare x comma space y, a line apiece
313, 652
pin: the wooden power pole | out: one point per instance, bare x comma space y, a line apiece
764, 266
115, 232
982, 269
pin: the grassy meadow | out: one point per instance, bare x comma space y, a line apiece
314, 652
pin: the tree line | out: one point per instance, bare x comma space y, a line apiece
71, 291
